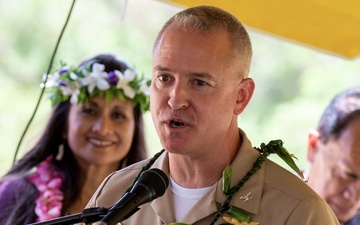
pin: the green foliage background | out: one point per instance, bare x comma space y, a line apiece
294, 83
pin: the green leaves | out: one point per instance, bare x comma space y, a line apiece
276, 146
227, 174
239, 214
235, 212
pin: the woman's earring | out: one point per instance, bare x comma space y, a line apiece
60, 153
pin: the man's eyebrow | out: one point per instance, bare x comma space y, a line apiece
203, 75
349, 169
161, 68
194, 74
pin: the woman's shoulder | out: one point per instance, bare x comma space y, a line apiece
11, 191
15, 194
10, 187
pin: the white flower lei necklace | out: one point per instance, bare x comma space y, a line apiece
48, 182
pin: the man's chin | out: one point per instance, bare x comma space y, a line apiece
344, 218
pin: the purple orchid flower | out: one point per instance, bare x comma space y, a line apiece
63, 70
113, 79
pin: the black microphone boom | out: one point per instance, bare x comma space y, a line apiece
151, 184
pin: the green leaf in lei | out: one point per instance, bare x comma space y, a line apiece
227, 174
276, 146
239, 214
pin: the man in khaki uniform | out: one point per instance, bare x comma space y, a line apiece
200, 84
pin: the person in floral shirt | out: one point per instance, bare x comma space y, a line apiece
95, 128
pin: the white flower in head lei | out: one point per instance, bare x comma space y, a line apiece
83, 83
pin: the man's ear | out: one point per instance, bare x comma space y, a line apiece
313, 139
245, 91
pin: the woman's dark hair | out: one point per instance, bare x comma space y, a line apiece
49, 143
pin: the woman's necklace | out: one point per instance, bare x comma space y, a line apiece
48, 181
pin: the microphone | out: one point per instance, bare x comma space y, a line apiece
151, 184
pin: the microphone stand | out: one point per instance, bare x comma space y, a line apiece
88, 215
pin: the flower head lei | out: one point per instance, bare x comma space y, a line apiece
48, 182
81, 84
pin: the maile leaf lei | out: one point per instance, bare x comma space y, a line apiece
276, 146
237, 216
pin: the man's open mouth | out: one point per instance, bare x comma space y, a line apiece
175, 123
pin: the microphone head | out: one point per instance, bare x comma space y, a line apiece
154, 180
151, 184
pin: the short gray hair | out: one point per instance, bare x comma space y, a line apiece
211, 18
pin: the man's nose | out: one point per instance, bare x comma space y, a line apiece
179, 97
352, 191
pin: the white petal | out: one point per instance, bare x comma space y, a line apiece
97, 68
73, 76
102, 84
67, 88
119, 74
129, 75
91, 88
74, 97
85, 81
144, 88
129, 92
121, 84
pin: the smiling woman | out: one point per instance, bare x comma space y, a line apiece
93, 27
96, 127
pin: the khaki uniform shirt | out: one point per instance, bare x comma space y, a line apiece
275, 196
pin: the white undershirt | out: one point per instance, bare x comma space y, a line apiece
185, 198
